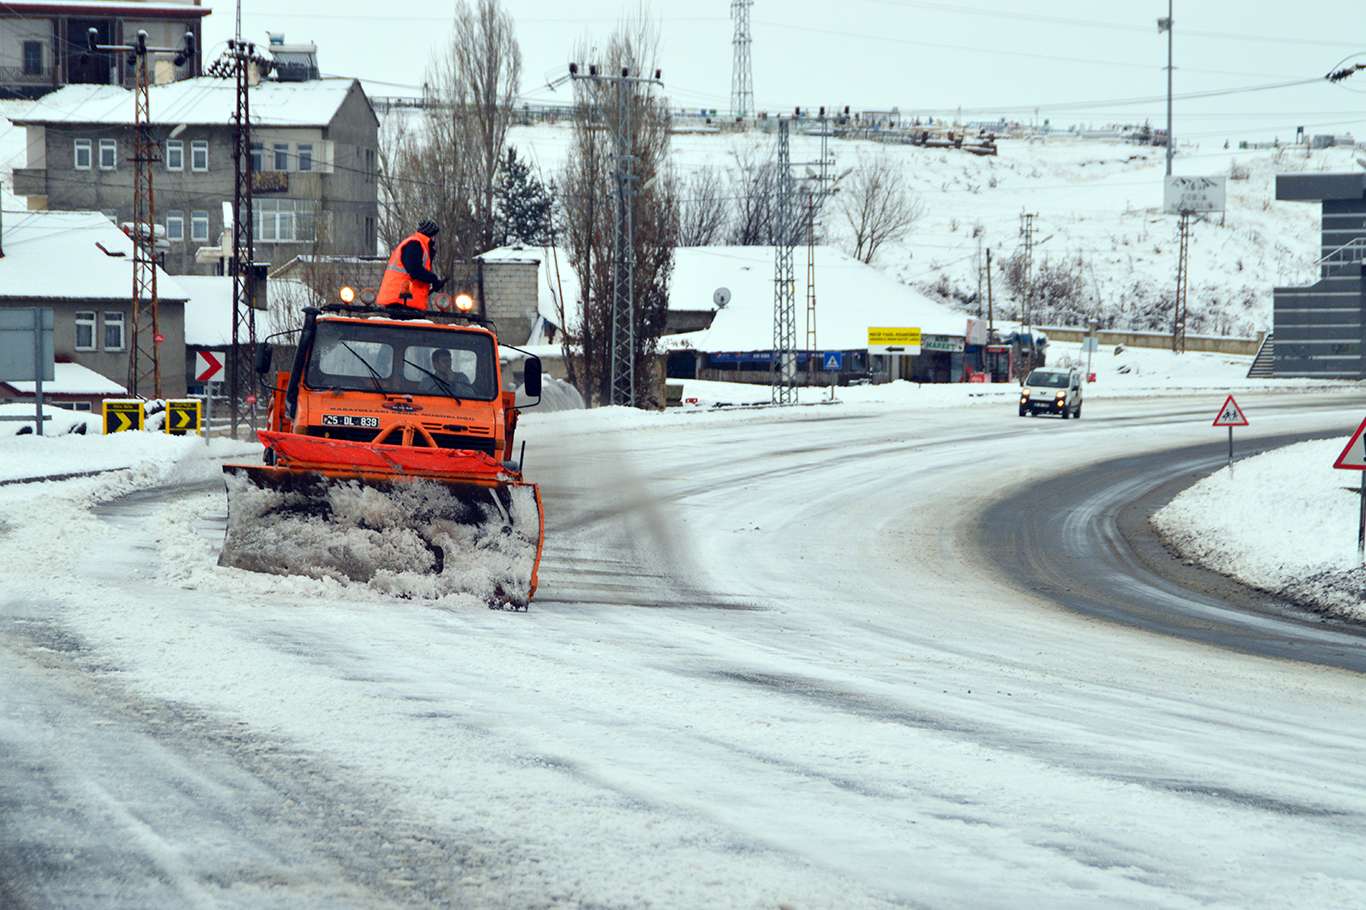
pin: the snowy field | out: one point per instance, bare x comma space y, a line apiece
1285, 521
766, 667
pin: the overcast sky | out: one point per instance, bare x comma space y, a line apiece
988, 56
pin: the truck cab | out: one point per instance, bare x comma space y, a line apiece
422, 383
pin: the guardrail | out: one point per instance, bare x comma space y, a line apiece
1216, 344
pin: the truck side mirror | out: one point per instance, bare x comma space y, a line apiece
531, 377
265, 355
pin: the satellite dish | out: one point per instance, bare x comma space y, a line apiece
721, 297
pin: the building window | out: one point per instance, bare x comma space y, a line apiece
282, 156
113, 330
258, 163
175, 226
370, 239
82, 155
80, 406
85, 330
371, 165
305, 156
199, 226
33, 58
284, 220
175, 155
199, 155
109, 154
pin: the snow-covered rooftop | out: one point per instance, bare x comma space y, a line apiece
70, 256
204, 101
186, 9
208, 312
851, 296
72, 379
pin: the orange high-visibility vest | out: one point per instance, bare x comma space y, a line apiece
398, 282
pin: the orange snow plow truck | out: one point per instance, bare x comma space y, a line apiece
389, 459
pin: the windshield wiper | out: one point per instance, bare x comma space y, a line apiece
439, 381
374, 373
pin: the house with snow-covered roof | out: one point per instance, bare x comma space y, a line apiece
314, 159
734, 340
81, 266
43, 42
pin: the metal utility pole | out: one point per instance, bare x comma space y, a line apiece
1182, 282
1027, 311
979, 276
144, 358
813, 200
812, 355
742, 67
991, 309
244, 66
624, 351
1165, 25
783, 368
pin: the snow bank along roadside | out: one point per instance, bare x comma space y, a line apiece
151, 457
1285, 522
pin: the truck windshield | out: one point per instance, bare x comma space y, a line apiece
1047, 380
406, 360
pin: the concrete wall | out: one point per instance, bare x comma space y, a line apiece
351, 192
510, 294
109, 363
1110, 337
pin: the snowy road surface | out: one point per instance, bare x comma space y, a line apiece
772, 662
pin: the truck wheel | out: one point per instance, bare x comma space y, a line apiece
1022, 412
1077, 413
1065, 412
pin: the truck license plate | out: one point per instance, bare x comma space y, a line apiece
350, 420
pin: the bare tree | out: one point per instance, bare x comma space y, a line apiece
446, 168
753, 183
878, 206
703, 211
483, 87
588, 212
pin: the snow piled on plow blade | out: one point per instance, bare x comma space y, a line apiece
410, 538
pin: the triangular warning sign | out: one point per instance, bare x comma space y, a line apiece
1230, 415
1353, 458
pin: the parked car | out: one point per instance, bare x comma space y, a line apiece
1051, 390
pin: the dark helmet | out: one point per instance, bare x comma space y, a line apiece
429, 227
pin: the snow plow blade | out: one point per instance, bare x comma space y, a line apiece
405, 534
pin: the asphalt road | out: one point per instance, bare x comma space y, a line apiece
852, 658
1082, 540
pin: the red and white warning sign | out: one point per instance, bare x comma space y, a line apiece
207, 365
1230, 415
1353, 458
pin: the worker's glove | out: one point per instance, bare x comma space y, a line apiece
439, 285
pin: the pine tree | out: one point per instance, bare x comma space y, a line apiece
522, 203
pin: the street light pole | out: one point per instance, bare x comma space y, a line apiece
1165, 25
1171, 143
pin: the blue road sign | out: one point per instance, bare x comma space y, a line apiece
832, 361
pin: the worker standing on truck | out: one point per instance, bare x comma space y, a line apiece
409, 279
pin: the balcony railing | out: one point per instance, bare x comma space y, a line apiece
1353, 252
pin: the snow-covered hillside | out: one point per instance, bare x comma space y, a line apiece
1099, 218
1099, 212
